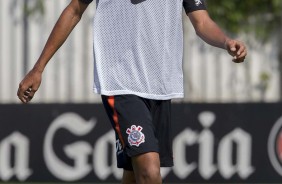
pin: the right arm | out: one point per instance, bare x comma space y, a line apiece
62, 29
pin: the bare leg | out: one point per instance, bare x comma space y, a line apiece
128, 177
147, 168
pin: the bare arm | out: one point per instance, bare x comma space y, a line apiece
209, 31
64, 26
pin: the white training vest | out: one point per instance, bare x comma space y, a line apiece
138, 48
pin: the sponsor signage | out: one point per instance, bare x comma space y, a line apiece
213, 143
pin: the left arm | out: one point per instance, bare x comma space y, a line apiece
209, 31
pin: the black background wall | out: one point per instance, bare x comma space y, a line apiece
213, 143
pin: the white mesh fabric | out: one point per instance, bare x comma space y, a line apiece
138, 48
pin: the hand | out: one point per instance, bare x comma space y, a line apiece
236, 49
29, 86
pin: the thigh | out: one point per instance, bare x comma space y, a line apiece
146, 161
147, 168
146, 164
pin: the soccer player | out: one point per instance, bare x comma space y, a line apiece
138, 49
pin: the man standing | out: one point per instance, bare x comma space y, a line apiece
138, 49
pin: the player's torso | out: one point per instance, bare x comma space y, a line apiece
139, 43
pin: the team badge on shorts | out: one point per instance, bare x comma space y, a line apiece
135, 136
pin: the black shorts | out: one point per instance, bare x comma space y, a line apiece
141, 126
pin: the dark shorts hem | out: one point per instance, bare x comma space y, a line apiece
141, 152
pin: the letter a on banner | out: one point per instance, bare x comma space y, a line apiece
243, 156
20, 168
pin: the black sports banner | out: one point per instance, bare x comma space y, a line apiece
213, 143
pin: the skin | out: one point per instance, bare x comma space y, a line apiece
146, 170
146, 166
209, 31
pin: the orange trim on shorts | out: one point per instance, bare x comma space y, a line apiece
111, 101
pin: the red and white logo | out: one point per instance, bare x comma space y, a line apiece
135, 136
275, 146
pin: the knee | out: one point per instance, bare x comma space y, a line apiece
151, 175
147, 168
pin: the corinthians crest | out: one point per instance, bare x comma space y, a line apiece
135, 136
275, 146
